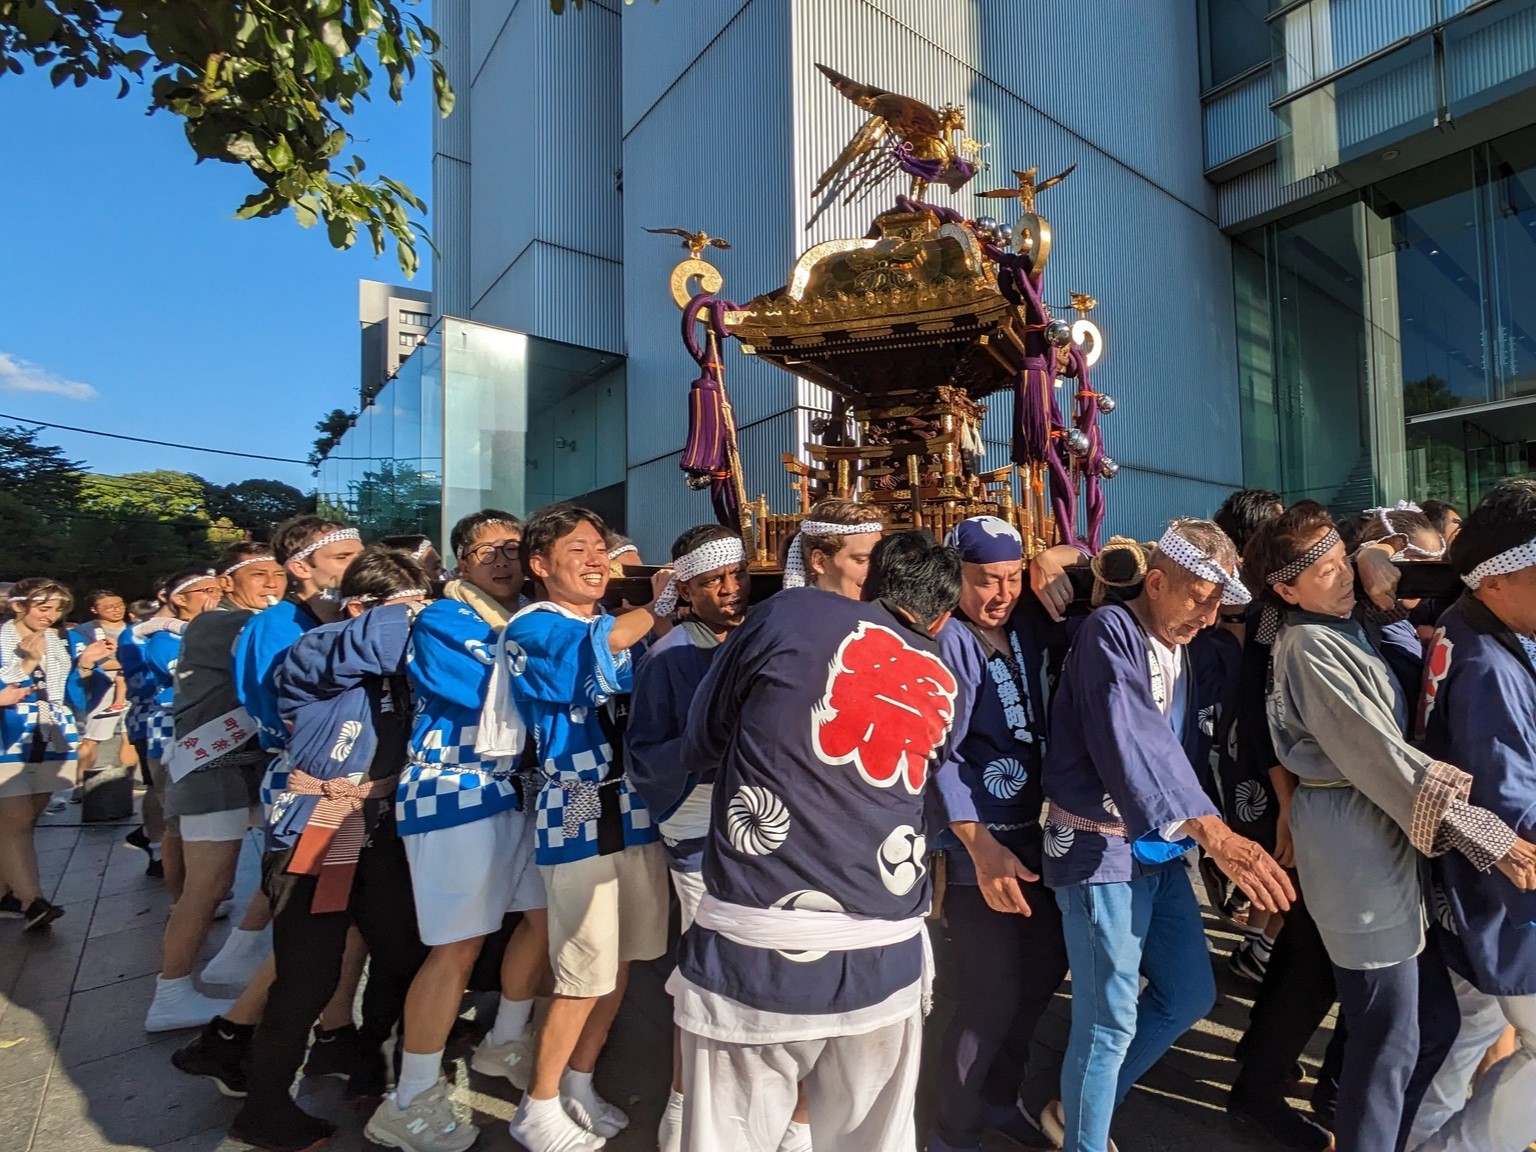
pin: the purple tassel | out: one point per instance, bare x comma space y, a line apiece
706, 455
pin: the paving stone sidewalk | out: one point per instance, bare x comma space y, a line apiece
78, 1073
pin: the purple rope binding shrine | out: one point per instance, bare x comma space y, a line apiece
706, 453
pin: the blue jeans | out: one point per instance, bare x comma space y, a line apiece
1116, 932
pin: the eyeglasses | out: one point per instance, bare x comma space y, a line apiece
487, 553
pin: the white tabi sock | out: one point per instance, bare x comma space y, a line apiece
418, 1072
512, 1019
589, 1109
544, 1126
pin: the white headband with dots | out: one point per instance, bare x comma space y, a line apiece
315, 545
247, 562
1193, 560
726, 552
794, 562
1523, 556
191, 580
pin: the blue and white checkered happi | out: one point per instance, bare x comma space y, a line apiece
274, 780
159, 732
571, 802
430, 797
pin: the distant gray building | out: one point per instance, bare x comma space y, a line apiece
394, 320
1309, 225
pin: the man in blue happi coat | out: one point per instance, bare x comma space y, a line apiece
1135, 711
596, 845
1479, 713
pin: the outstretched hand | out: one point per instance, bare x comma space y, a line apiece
1519, 864
998, 871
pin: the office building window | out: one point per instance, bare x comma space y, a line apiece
415, 319
1387, 344
407, 339
1233, 39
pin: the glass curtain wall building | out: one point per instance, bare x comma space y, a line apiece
1376, 163
481, 417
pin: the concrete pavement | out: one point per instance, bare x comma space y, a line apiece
79, 1074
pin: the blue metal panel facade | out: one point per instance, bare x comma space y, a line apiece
545, 204
1238, 119
713, 153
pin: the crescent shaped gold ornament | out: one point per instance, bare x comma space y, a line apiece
1086, 333
707, 274
1032, 236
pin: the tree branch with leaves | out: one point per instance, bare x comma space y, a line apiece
266, 84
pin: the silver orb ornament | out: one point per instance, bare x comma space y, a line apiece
1077, 442
1106, 404
1058, 333
986, 227
1004, 235
1108, 468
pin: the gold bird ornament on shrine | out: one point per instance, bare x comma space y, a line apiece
695, 242
902, 134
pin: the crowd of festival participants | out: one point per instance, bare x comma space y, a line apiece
494, 780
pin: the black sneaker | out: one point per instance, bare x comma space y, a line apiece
218, 1054
291, 1130
334, 1052
40, 914
137, 839
1280, 1122
10, 906
155, 868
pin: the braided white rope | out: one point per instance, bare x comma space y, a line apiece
1194, 561
726, 552
320, 542
189, 581
373, 597
794, 562
247, 562
1503, 564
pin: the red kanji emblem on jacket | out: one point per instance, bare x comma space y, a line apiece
1436, 665
887, 708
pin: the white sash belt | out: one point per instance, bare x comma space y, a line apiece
800, 930
209, 741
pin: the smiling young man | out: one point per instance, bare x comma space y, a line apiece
710, 583
604, 872
1133, 716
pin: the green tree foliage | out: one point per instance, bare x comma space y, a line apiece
39, 493
394, 499
254, 506
332, 427
262, 83
119, 532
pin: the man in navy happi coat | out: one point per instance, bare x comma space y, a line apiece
806, 967
1479, 712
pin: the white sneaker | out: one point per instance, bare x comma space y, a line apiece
512, 1061
430, 1124
178, 1004
543, 1126
240, 959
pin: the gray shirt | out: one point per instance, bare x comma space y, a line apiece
1337, 719
205, 690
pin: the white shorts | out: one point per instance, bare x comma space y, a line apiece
101, 728
689, 887
468, 877
230, 824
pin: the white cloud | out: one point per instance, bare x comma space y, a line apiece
17, 375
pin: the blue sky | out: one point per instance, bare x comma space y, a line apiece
132, 301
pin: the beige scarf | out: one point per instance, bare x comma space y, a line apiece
466, 593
